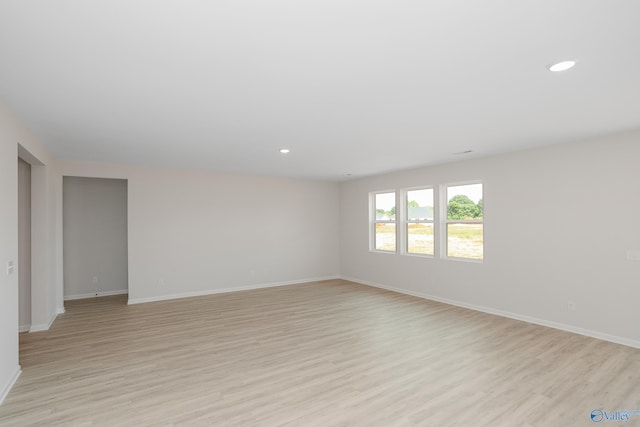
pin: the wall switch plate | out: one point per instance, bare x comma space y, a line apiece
10, 267
633, 254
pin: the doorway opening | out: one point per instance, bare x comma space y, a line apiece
95, 237
24, 245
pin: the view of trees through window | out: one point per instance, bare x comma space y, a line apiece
420, 228
465, 228
385, 222
461, 221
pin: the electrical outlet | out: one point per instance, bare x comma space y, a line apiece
160, 282
95, 279
571, 306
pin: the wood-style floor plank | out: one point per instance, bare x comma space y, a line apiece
329, 353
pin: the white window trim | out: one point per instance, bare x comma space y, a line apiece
404, 235
373, 221
443, 221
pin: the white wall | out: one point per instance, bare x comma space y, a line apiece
194, 233
558, 223
95, 237
43, 273
8, 251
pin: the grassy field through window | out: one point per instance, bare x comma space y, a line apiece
420, 238
385, 237
465, 240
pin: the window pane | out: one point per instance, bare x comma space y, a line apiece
465, 240
464, 202
385, 237
420, 204
420, 238
386, 206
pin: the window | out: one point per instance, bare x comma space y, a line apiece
419, 221
464, 226
384, 221
446, 221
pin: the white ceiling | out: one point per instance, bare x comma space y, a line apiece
350, 86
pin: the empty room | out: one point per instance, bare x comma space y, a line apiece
319, 213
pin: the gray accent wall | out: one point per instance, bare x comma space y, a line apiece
95, 237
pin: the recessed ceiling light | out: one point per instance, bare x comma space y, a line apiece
562, 66
284, 150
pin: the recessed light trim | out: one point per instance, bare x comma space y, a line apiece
561, 66
285, 151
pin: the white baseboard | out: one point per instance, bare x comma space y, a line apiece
226, 290
556, 325
95, 295
7, 388
24, 328
44, 326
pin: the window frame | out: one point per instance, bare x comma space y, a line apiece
404, 237
374, 221
445, 221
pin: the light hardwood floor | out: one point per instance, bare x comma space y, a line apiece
330, 353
